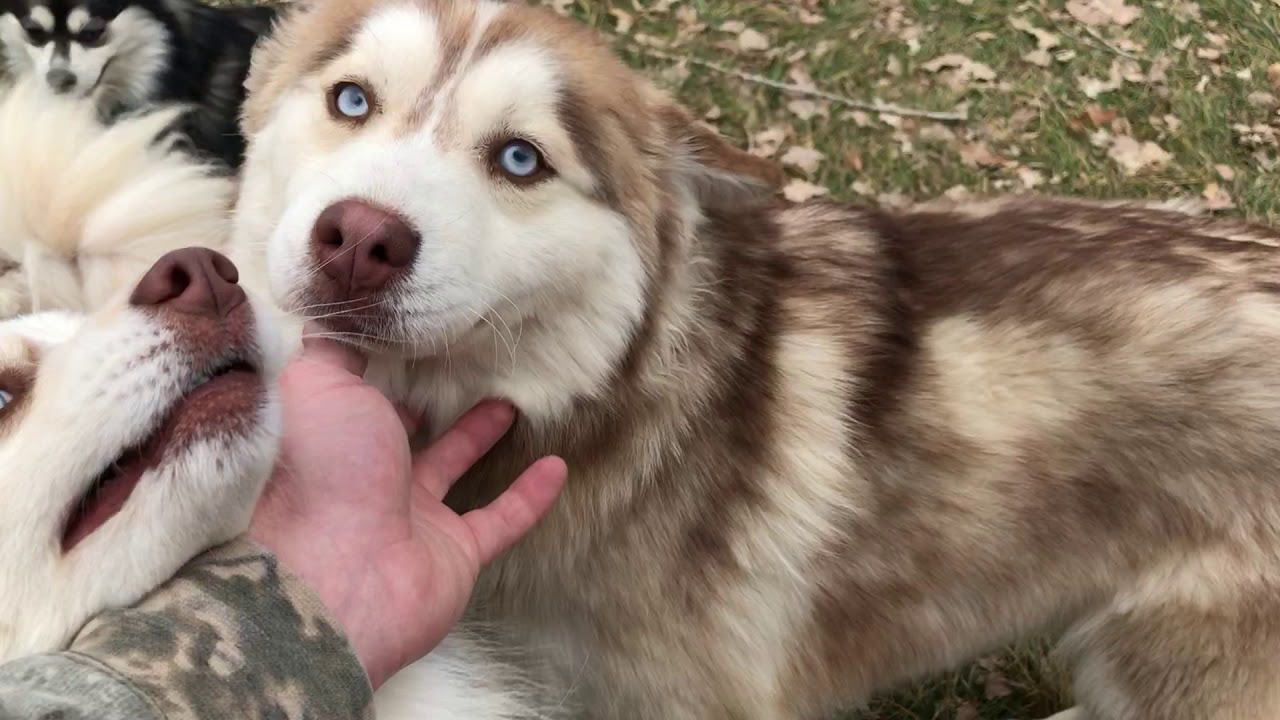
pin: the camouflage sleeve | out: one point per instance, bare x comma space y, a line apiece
231, 636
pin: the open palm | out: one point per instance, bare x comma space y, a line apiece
352, 512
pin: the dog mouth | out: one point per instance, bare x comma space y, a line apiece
223, 400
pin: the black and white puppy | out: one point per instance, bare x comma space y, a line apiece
126, 55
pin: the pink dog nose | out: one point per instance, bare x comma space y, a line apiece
362, 247
195, 281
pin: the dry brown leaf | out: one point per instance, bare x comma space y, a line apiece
623, 19
1273, 75
687, 15
1045, 40
1093, 87
804, 109
798, 191
1039, 57
808, 17
713, 114
1217, 198
996, 686
893, 66
1186, 11
753, 41
1103, 12
1226, 172
1030, 177
733, 26
1262, 99
957, 193
1134, 156
966, 68
967, 711
1159, 71
807, 159
767, 142
979, 155
1099, 116
1207, 53
862, 188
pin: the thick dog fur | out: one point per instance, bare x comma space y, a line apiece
815, 450
85, 209
76, 392
141, 53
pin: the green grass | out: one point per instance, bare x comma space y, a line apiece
1034, 118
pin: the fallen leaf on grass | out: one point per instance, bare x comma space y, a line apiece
767, 142
1039, 57
1225, 172
733, 26
1262, 99
1273, 75
967, 711
1216, 198
862, 188
807, 159
979, 155
1093, 87
995, 686
753, 41
798, 191
1030, 177
1103, 12
1045, 40
624, 20
804, 109
1134, 156
961, 71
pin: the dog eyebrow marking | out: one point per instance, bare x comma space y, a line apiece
41, 16
77, 19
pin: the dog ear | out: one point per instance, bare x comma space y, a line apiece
721, 175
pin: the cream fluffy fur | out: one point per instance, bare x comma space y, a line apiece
85, 209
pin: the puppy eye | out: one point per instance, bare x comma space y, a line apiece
92, 33
35, 33
520, 161
349, 101
6, 399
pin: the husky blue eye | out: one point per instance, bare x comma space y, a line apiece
5, 399
520, 159
351, 101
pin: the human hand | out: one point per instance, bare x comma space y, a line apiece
354, 514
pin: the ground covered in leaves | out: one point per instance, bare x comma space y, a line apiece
890, 100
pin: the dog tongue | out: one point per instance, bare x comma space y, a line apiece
107, 499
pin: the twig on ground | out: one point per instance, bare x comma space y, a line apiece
873, 106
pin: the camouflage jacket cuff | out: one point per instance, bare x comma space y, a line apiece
232, 635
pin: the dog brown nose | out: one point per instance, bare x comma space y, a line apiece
196, 281
362, 247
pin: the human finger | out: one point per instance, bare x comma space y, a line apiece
498, 525
316, 346
439, 466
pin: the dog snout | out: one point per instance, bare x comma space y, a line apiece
361, 247
194, 281
61, 80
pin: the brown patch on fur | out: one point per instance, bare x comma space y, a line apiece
305, 41
7, 266
453, 20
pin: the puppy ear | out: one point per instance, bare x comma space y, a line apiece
721, 175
